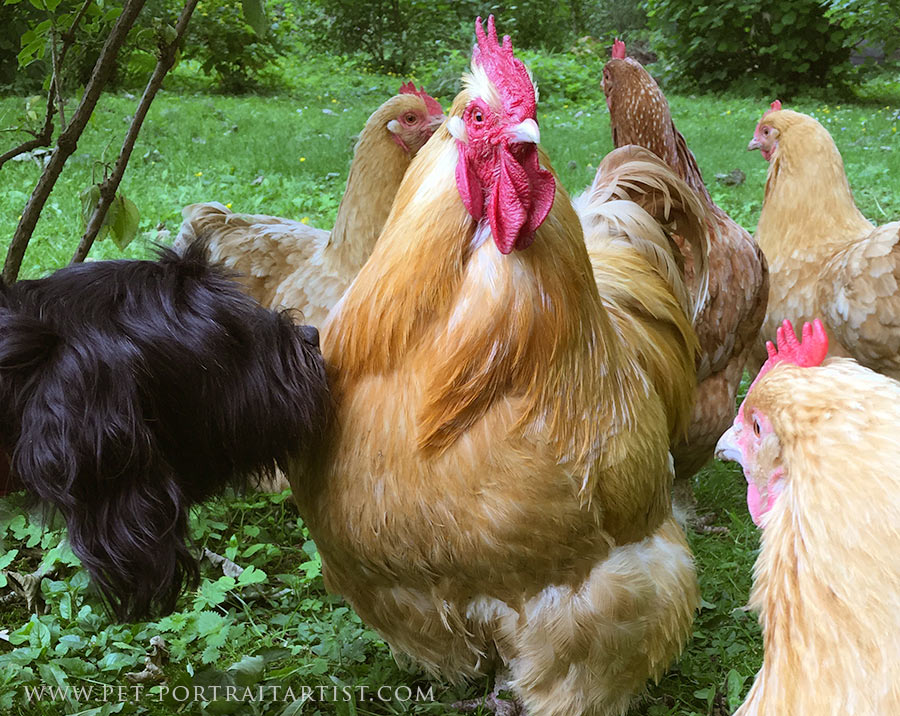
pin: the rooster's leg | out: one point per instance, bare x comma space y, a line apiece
500, 702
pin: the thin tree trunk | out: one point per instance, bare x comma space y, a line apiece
110, 185
68, 140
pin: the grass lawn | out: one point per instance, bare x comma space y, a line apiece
288, 155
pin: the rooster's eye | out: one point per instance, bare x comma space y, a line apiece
756, 429
479, 117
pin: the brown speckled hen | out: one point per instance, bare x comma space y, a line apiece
738, 285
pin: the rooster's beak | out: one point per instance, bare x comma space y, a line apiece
754, 144
727, 448
526, 131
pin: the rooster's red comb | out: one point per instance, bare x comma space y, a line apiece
508, 74
431, 104
618, 50
810, 350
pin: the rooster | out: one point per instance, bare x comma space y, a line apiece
730, 320
825, 258
819, 448
284, 263
508, 501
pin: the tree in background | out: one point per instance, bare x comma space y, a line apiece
873, 22
780, 47
396, 35
62, 28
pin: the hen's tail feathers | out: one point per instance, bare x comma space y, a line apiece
195, 227
636, 196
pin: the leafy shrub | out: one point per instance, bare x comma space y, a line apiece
875, 22
606, 19
396, 35
780, 47
227, 47
218, 37
15, 21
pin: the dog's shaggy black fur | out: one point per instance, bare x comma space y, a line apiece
131, 390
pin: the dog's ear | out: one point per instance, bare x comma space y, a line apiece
86, 447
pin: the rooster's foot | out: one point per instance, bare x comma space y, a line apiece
500, 702
498, 705
701, 524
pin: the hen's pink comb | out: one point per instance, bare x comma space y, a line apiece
431, 104
774, 107
810, 350
508, 74
618, 50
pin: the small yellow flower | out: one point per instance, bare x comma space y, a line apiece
894, 129
565, 106
302, 159
198, 174
304, 220
727, 111
228, 205
838, 107
333, 100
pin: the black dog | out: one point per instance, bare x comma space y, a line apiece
131, 390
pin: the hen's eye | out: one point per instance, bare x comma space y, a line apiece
410, 118
478, 116
756, 429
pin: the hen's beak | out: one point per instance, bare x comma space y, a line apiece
436, 120
727, 448
526, 131
754, 144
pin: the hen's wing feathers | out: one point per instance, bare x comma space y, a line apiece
858, 294
262, 250
690, 170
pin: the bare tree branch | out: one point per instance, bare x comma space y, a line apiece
110, 185
68, 140
45, 136
55, 89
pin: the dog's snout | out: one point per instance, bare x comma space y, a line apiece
310, 334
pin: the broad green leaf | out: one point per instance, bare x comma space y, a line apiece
116, 661
252, 575
123, 225
53, 675
7, 558
90, 198
209, 622
248, 671
734, 684
74, 666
